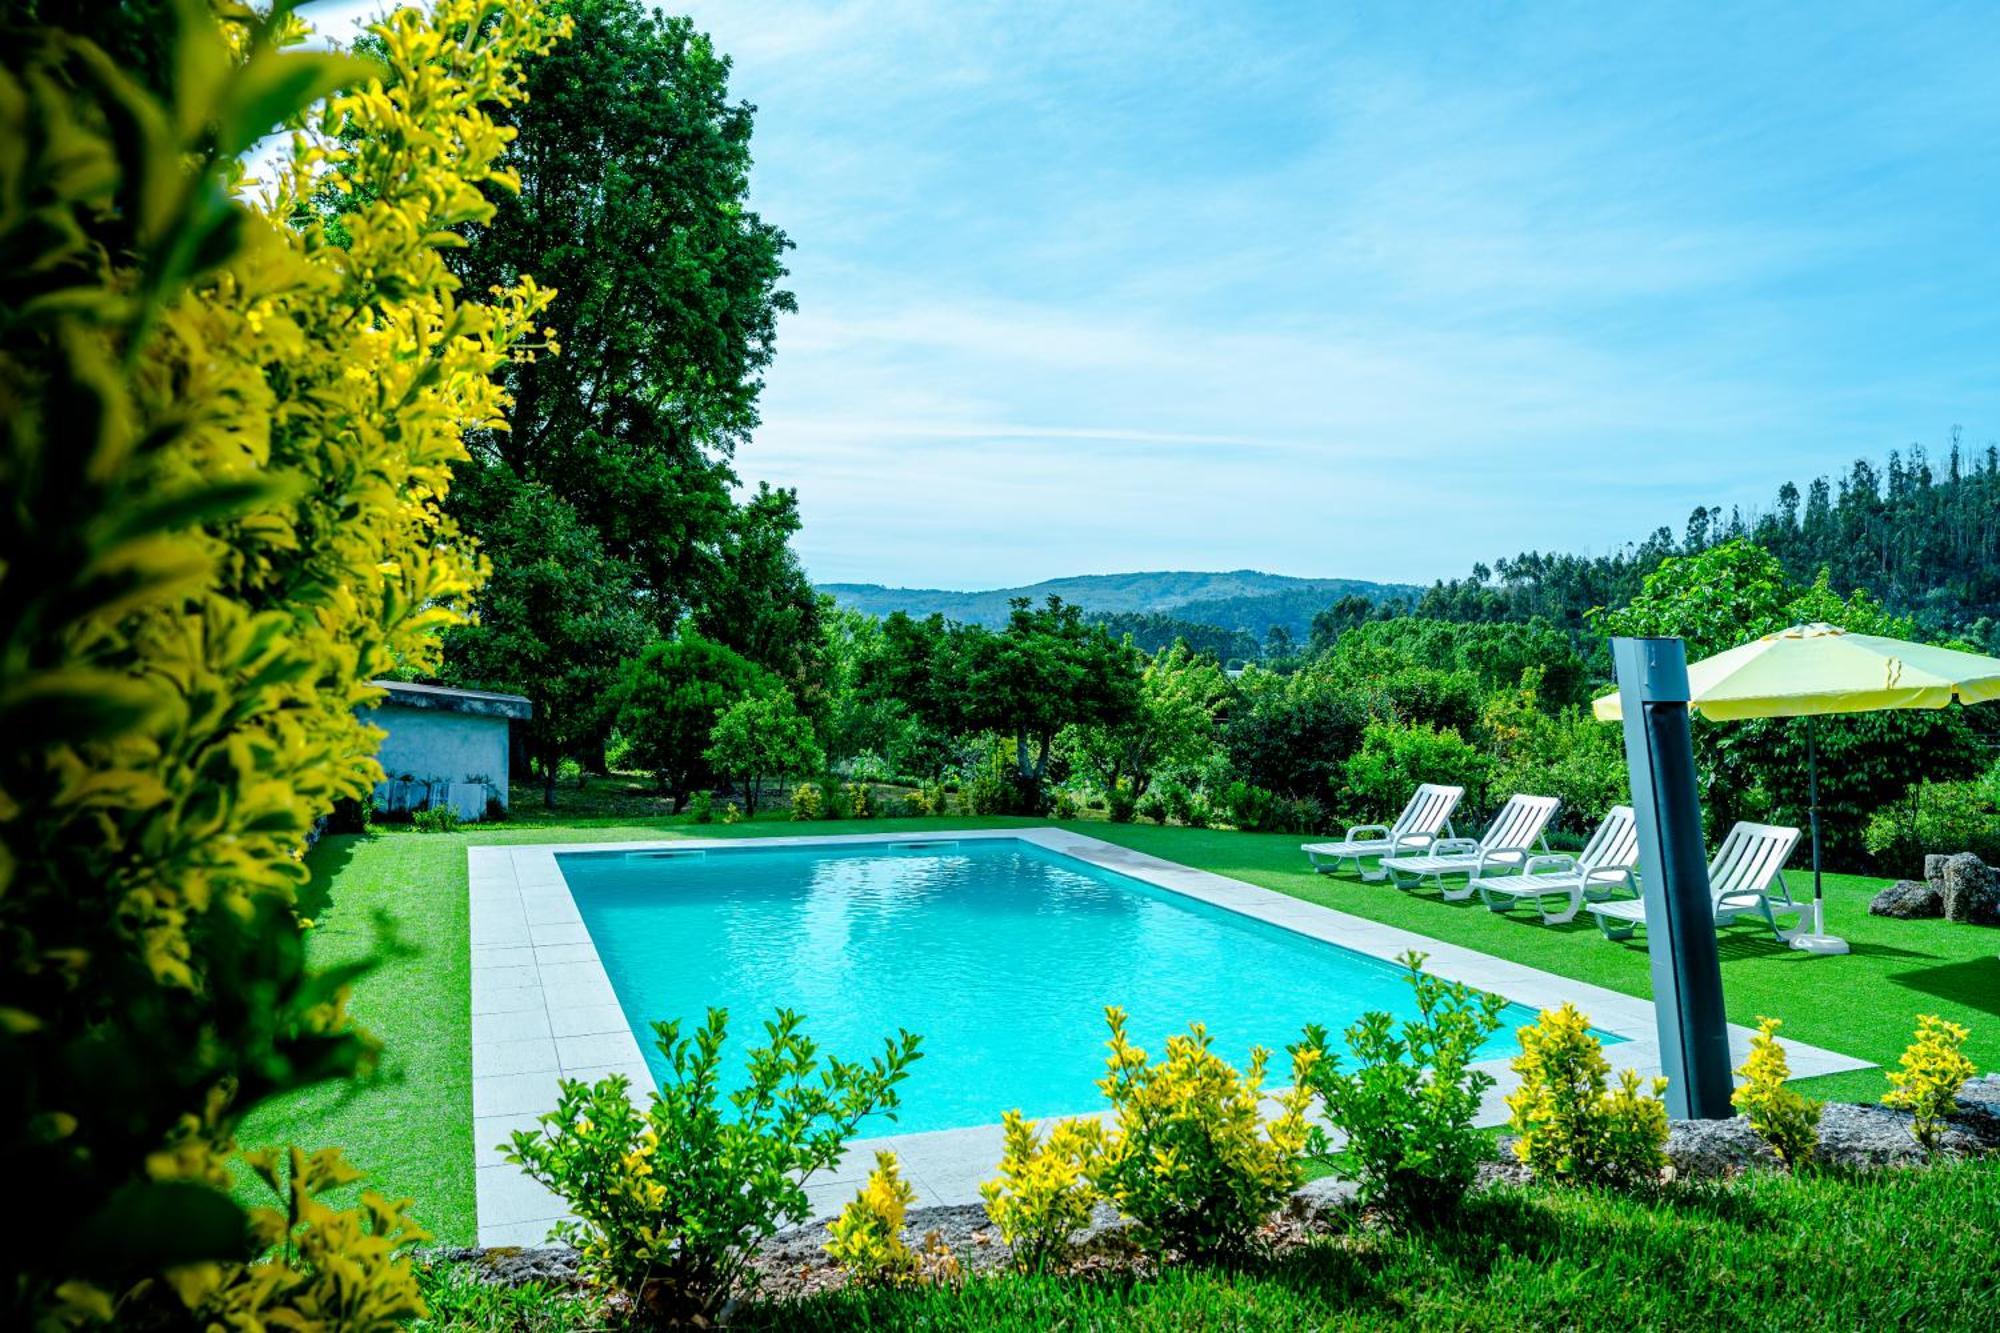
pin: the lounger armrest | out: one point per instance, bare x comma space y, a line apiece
1454, 847
1411, 842
1375, 832
1555, 863
1613, 877
1504, 856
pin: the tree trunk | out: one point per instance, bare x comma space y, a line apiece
548, 784
750, 798
1021, 764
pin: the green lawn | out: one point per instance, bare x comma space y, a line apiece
411, 1130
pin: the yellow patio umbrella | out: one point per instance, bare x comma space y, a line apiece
1812, 669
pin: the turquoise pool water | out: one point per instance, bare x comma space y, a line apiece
1002, 955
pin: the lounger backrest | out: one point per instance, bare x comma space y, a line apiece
1615, 845
1429, 810
1520, 821
1750, 858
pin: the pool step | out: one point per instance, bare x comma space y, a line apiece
668, 854
928, 845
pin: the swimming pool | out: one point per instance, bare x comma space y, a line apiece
1000, 953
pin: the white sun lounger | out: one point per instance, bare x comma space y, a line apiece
1751, 859
1507, 844
1414, 830
1599, 871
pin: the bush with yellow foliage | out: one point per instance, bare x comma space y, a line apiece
1572, 1126
225, 429
1044, 1192
1928, 1077
867, 1238
1189, 1156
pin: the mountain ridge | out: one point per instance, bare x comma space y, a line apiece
1234, 599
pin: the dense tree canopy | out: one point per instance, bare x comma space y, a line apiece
1731, 593
634, 172
669, 699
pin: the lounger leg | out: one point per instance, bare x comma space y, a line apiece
1771, 919
1567, 914
1611, 932
1505, 904
1454, 895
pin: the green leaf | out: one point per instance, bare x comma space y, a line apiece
273, 88
151, 1225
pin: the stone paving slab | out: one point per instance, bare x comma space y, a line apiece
543, 1008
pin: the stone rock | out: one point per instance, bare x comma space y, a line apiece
1971, 890
1934, 869
1703, 1149
510, 1266
1849, 1135
1908, 900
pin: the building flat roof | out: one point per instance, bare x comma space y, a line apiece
444, 699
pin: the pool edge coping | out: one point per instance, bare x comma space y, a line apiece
543, 1008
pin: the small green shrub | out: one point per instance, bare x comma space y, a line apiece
806, 801
1120, 804
1394, 758
701, 807
1931, 1072
1184, 804
732, 813
1044, 1193
669, 1203
1572, 1128
1151, 806
435, 819
1190, 1158
1408, 1107
1065, 805
1307, 815
986, 793
1782, 1117
867, 1238
1255, 809
1937, 817
860, 802
833, 798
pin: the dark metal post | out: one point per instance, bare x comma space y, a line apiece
1812, 798
1680, 919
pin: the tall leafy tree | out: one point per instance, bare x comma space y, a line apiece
633, 204
1048, 669
669, 699
557, 619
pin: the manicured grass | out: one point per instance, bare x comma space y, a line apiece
411, 1127
1762, 1253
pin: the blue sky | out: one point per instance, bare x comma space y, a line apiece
1358, 290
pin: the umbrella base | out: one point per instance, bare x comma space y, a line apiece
1825, 944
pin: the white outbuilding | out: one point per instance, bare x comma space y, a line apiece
444, 746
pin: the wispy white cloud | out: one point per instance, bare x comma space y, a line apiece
1351, 290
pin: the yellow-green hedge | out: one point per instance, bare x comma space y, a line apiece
227, 429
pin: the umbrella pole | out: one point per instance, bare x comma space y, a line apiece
1812, 798
1815, 939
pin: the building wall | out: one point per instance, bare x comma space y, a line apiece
436, 746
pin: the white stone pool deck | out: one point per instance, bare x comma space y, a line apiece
543, 1010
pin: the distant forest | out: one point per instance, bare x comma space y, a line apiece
1151, 631
1923, 537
